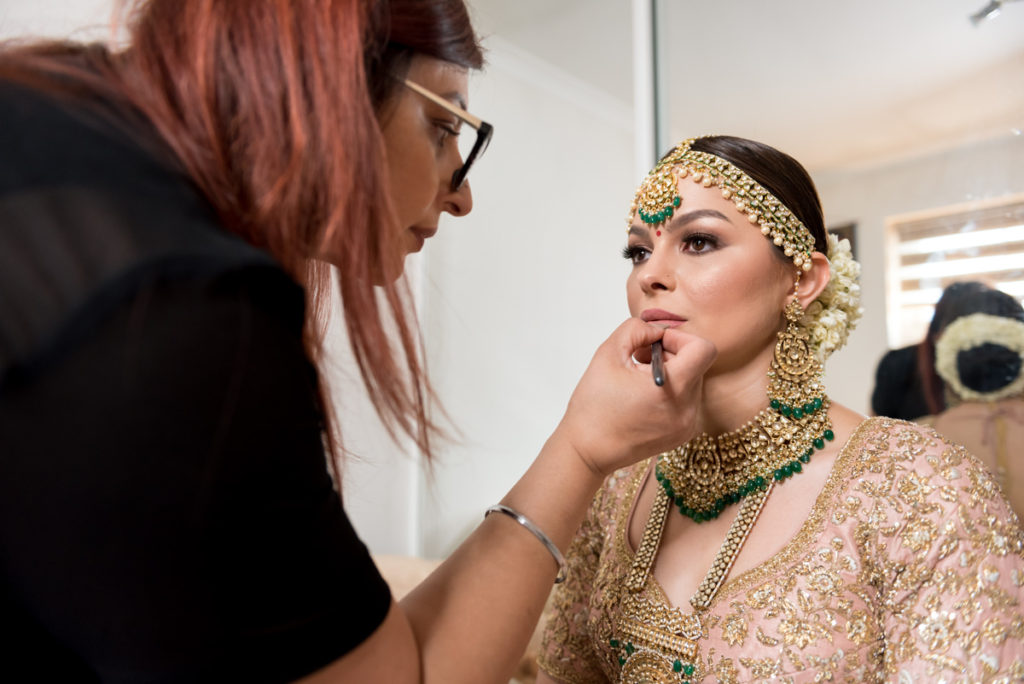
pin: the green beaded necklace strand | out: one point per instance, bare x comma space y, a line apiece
705, 476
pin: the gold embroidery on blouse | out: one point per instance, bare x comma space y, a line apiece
910, 567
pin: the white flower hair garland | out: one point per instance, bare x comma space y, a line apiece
972, 331
830, 318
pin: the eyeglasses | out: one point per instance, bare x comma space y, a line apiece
484, 131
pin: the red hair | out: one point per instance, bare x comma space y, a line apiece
270, 107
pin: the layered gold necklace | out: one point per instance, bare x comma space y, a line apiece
658, 644
707, 474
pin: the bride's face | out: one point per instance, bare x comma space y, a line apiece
710, 271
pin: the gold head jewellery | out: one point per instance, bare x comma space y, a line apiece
708, 474
657, 199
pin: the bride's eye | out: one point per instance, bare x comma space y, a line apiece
636, 254
700, 243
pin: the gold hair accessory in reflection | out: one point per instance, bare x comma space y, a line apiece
1003, 340
658, 198
708, 474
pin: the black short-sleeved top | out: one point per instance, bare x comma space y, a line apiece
166, 512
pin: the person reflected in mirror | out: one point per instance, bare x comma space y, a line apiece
979, 356
906, 384
793, 539
171, 211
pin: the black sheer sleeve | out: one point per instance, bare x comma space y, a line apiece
166, 513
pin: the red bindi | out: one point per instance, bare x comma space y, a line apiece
658, 233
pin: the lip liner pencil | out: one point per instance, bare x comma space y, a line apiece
657, 367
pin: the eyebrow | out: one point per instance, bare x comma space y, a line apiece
452, 98
680, 220
455, 97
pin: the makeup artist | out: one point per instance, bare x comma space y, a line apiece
168, 215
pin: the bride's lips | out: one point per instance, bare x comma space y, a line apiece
661, 317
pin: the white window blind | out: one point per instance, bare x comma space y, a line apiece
927, 251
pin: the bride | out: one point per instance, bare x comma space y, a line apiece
794, 540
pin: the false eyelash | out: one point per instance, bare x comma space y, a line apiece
630, 252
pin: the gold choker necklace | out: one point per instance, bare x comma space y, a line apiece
707, 474
658, 644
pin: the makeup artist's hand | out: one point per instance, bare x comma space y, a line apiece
617, 415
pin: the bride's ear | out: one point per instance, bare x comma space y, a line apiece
813, 281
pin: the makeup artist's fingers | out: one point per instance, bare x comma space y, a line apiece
633, 339
617, 415
693, 352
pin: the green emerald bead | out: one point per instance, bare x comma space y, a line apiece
809, 408
775, 404
759, 481
817, 403
658, 474
819, 443
786, 411
777, 476
622, 661
629, 648
614, 643
795, 466
829, 435
688, 670
679, 501
798, 413
676, 201
677, 666
805, 458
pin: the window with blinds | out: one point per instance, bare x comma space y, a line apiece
929, 250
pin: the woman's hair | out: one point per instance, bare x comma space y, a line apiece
949, 307
988, 366
271, 108
438, 29
778, 173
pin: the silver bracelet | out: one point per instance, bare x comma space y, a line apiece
528, 524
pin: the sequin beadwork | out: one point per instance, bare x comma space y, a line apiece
910, 568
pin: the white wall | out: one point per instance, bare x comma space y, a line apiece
80, 19
519, 294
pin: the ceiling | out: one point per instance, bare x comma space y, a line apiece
836, 84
